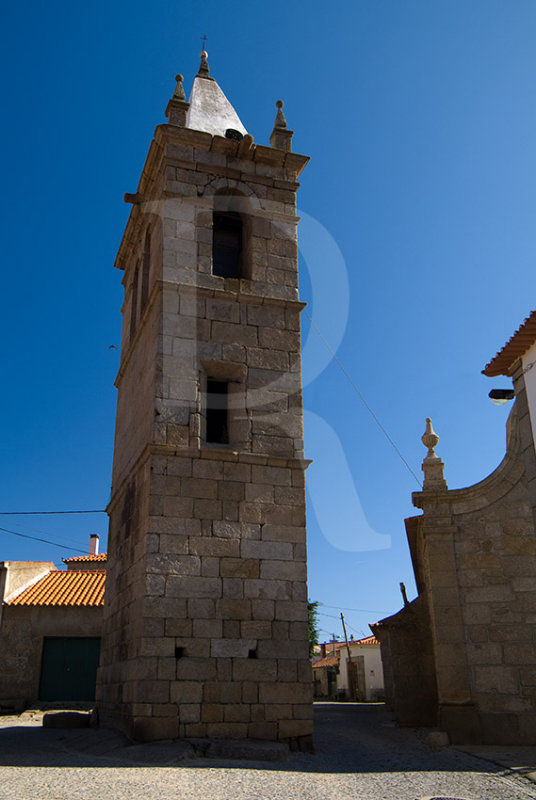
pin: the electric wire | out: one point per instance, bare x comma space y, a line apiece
70, 540
354, 386
365, 610
46, 541
42, 513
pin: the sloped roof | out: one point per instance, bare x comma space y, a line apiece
210, 110
82, 559
515, 347
64, 588
329, 661
368, 640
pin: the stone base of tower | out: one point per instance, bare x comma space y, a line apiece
297, 734
205, 630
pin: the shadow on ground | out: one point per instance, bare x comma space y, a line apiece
349, 738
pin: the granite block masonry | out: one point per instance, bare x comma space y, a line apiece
461, 656
205, 628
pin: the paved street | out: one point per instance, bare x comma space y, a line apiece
359, 754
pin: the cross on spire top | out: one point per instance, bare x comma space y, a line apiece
204, 40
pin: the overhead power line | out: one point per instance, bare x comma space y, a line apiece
42, 513
355, 388
46, 541
366, 610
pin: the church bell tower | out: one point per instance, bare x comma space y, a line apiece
205, 631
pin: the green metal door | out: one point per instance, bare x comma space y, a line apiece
69, 668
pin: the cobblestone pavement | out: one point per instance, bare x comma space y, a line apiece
359, 754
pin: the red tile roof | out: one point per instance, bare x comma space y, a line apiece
329, 661
73, 559
515, 347
368, 640
64, 588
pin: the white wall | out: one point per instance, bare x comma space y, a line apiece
530, 382
373, 668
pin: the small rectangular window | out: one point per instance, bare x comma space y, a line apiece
227, 244
217, 411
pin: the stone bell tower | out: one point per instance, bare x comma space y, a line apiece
205, 631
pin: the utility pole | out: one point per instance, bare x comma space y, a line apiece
350, 664
334, 642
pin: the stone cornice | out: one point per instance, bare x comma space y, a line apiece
290, 164
233, 296
210, 453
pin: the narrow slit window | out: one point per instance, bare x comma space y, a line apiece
217, 418
146, 266
134, 302
227, 236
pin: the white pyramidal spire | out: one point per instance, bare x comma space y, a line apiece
210, 111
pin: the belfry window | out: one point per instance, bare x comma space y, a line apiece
217, 412
227, 244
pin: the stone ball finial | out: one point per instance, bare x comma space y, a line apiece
280, 121
203, 67
432, 466
178, 94
430, 438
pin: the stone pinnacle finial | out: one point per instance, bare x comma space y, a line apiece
280, 121
432, 466
281, 137
177, 108
203, 71
430, 439
179, 91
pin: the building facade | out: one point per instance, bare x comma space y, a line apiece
463, 654
349, 671
50, 628
205, 623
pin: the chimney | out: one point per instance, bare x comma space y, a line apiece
94, 544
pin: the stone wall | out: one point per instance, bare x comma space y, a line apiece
205, 630
22, 632
408, 664
474, 551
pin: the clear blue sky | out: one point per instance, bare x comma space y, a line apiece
420, 197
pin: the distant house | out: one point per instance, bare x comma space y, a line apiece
358, 677
50, 628
325, 673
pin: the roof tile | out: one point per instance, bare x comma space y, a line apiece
329, 661
515, 347
64, 588
73, 559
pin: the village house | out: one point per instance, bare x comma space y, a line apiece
50, 629
462, 655
357, 676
